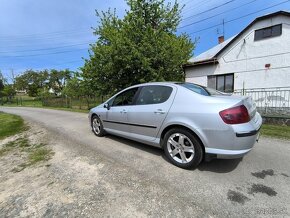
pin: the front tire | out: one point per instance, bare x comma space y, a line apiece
97, 126
182, 148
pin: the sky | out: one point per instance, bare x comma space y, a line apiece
42, 34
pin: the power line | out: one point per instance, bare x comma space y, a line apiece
45, 34
58, 64
229, 21
11, 40
211, 9
32, 55
199, 21
44, 49
195, 6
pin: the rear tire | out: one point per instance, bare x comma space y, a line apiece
182, 148
97, 126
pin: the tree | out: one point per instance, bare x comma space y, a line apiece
1, 85
9, 91
2, 81
139, 48
73, 87
6, 89
58, 79
33, 82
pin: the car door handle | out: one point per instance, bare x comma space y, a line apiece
159, 111
123, 111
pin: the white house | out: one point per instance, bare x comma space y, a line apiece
257, 57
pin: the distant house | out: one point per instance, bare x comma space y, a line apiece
257, 57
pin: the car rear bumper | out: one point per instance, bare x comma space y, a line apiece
250, 137
227, 154
247, 134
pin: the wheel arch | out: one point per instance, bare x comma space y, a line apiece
172, 126
92, 116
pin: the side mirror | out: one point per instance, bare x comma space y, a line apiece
107, 106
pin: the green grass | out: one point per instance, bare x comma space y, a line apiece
276, 131
10, 125
68, 109
35, 152
55, 108
39, 154
22, 143
25, 103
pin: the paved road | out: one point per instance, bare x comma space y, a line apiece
257, 185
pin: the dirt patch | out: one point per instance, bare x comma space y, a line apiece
259, 188
237, 197
76, 184
263, 173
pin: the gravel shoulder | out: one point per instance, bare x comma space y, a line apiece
110, 176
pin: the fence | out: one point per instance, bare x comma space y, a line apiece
270, 101
83, 103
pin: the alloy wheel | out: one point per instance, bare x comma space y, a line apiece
96, 125
180, 148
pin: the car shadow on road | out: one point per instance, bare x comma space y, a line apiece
147, 148
220, 165
215, 165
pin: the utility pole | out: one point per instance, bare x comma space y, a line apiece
223, 27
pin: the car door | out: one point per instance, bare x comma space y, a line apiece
117, 114
150, 110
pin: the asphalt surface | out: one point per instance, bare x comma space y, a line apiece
256, 186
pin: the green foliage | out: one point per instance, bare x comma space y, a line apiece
58, 79
73, 88
1, 85
10, 125
2, 81
139, 48
32, 82
43, 83
8, 91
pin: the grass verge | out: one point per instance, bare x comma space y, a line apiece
276, 131
33, 153
39, 154
10, 125
30, 153
53, 108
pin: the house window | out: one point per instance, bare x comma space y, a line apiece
223, 83
268, 32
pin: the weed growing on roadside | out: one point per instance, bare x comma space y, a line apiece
40, 154
35, 152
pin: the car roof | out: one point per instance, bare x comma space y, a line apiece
170, 83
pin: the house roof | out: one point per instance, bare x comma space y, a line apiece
210, 56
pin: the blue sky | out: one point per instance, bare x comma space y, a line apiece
41, 34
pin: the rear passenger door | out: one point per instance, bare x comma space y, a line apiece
150, 110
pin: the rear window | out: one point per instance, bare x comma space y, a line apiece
154, 94
201, 89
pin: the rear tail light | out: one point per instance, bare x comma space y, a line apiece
235, 115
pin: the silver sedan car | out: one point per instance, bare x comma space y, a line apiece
190, 122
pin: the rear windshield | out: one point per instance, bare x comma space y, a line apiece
201, 89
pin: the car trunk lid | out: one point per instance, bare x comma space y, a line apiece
242, 100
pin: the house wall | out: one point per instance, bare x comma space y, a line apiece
246, 58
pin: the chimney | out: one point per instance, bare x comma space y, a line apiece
221, 39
